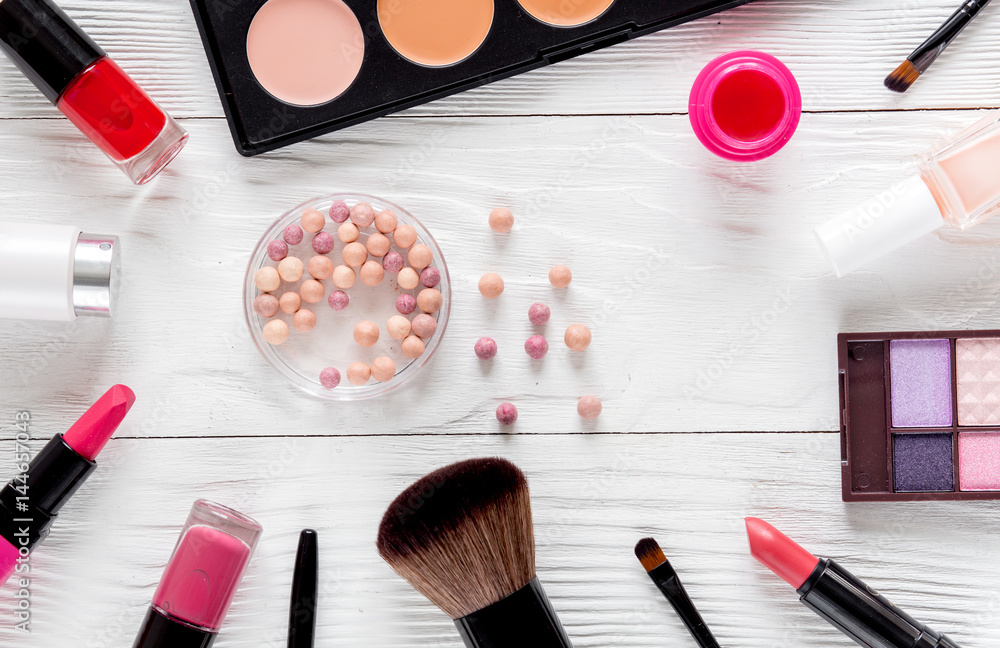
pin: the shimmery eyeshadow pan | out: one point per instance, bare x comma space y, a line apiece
920, 415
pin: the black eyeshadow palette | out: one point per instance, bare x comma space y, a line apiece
289, 70
920, 415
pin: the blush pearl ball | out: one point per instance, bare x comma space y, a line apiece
491, 285
362, 214
539, 314
386, 221
277, 250
560, 276
348, 233
323, 243
338, 300
276, 332
366, 333
404, 236
304, 320
354, 254
408, 279
589, 407
413, 347
320, 267
424, 326
312, 291
290, 302
292, 234
291, 269
393, 262
383, 369
507, 414
536, 346
267, 279
486, 348
359, 373
577, 337
501, 220
372, 273
312, 221
344, 277
398, 327
420, 256
378, 245
430, 277
406, 304
339, 212
430, 300
329, 378
266, 305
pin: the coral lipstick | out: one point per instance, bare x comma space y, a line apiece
838, 596
30, 503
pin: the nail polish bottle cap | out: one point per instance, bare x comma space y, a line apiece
885, 223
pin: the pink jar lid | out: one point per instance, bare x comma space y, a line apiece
745, 106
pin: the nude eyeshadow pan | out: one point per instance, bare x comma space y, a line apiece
920, 415
289, 70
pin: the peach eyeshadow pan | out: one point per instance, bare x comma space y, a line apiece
566, 13
435, 32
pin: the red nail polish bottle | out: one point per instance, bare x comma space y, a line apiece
89, 88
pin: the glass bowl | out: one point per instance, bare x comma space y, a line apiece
331, 343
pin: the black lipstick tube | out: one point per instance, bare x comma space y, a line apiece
863, 614
525, 618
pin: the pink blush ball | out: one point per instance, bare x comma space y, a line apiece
338, 300
589, 407
536, 347
329, 378
406, 304
507, 414
539, 314
293, 234
430, 277
393, 262
266, 305
486, 348
339, 212
424, 326
277, 250
323, 243
362, 214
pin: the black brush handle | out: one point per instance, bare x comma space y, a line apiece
930, 49
667, 580
525, 618
305, 580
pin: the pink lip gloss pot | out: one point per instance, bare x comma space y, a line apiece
745, 106
201, 578
958, 184
76, 75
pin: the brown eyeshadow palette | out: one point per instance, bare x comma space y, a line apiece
920, 415
289, 70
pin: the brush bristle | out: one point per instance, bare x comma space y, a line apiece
462, 535
649, 554
902, 77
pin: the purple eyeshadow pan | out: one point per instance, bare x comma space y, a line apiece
920, 381
923, 463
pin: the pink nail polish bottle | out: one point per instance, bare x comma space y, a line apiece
958, 184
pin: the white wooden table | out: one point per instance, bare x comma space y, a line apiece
714, 321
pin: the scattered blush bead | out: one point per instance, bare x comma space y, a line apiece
413, 347
507, 414
293, 234
354, 254
304, 320
406, 304
348, 232
338, 300
312, 221
359, 373
329, 378
276, 332
291, 269
323, 243
430, 277
486, 348
386, 221
539, 314
560, 276
424, 326
312, 291
266, 305
393, 262
362, 214
501, 220
339, 212
536, 346
398, 327
404, 236
408, 279
577, 337
383, 369
372, 273
277, 250
290, 302
366, 333
430, 300
344, 277
320, 267
589, 407
378, 245
420, 256
491, 285
267, 279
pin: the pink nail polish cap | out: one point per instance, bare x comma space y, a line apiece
201, 578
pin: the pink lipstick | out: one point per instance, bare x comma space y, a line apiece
30, 503
838, 596
201, 578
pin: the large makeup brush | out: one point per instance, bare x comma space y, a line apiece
921, 59
662, 573
462, 536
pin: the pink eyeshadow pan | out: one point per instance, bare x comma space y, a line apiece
978, 363
979, 461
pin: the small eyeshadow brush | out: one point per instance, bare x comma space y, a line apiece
921, 59
662, 573
305, 581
